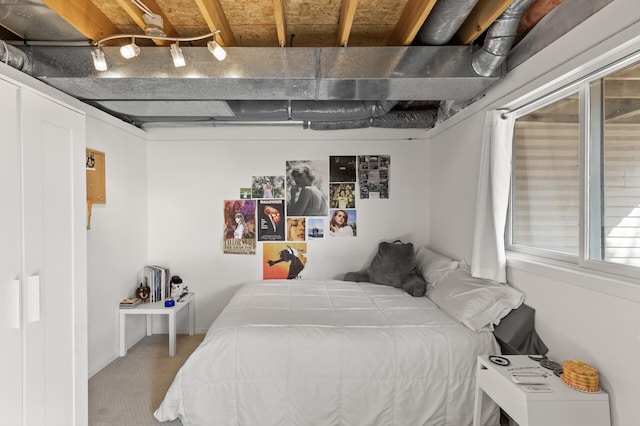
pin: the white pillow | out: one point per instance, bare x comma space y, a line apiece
477, 303
433, 266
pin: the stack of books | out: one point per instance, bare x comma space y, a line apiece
157, 278
130, 302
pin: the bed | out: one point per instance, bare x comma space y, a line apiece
311, 352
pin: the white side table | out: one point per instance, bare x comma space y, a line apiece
561, 407
158, 308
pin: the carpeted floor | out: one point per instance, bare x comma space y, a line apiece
128, 391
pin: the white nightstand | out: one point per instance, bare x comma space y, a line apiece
561, 407
158, 308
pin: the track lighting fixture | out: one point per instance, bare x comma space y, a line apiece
216, 50
176, 54
132, 50
99, 61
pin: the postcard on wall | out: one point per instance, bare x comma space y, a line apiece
270, 220
239, 235
296, 228
307, 188
343, 223
373, 176
283, 260
342, 168
342, 195
267, 187
315, 228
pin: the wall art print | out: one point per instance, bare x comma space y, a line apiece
239, 235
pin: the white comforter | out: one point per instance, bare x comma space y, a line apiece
303, 352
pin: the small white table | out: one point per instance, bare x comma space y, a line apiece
158, 308
561, 407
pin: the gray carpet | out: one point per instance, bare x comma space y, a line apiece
128, 391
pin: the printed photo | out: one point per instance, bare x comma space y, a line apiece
239, 227
342, 195
343, 223
296, 227
342, 168
283, 260
307, 188
245, 193
373, 176
270, 220
315, 228
267, 187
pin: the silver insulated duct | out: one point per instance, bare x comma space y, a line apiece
14, 57
499, 39
446, 17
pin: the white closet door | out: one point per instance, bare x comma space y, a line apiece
10, 248
51, 135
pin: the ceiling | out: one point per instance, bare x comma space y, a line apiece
325, 65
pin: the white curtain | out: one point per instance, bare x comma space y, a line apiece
488, 258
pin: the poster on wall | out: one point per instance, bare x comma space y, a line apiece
239, 235
267, 187
315, 228
343, 223
283, 260
373, 176
342, 195
307, 188
342, 168
270, 220
296, 229
245, 193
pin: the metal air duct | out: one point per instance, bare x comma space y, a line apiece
445, 19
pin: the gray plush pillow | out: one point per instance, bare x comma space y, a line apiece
395, 265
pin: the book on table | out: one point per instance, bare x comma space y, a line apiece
130, 302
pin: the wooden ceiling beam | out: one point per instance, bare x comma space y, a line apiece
281, 21
85, 17
413, 15
136, 14
214, 15
347, 14
481, 17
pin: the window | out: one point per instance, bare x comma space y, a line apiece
576, 174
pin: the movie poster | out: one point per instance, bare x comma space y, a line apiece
267, 187
373, 175
283, 260
270, 220
308, 188
239, 227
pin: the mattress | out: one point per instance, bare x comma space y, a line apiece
307, 352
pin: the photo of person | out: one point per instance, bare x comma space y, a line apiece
296, 227
271, 220
342, 168
342, 195
267, 187
307, 188
342, 223
283, 260
239, 227
245, 193
315, 228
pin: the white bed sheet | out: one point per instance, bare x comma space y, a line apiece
306, 352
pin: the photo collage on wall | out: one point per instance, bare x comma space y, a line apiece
314, 199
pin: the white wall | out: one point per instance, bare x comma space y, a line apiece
117, 240
191, 172
580, 316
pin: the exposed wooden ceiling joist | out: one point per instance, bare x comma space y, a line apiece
347, 13
413, 16
216, 19
85, 17
480, 18
281, 22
